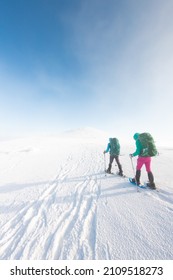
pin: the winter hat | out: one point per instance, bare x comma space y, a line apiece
135, 136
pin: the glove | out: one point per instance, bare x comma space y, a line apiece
131, 155
104, 152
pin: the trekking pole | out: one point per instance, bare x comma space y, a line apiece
134, 173
105, 164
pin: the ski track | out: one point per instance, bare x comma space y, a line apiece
64, 226
29, 228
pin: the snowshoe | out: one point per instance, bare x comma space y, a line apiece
133, 182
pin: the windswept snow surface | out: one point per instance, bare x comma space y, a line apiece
57, 203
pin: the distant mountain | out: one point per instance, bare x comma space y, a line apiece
86, 132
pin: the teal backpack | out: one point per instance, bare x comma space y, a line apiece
148, 144
115, 147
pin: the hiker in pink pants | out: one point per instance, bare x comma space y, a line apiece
142, 160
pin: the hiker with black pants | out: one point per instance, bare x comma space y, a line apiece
113, 148
143, 159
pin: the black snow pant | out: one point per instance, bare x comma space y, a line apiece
117, 161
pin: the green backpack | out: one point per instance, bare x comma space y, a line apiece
148, 144
115, 147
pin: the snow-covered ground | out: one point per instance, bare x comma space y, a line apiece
57, 203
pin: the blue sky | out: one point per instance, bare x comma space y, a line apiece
66, 64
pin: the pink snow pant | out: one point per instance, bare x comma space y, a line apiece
144, 160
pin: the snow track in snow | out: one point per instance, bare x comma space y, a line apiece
53, 223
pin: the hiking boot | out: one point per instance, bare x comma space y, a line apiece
109, 169
137, 177
133, 180
151, 183
120, 173
151, 186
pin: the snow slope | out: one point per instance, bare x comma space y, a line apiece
57, 203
